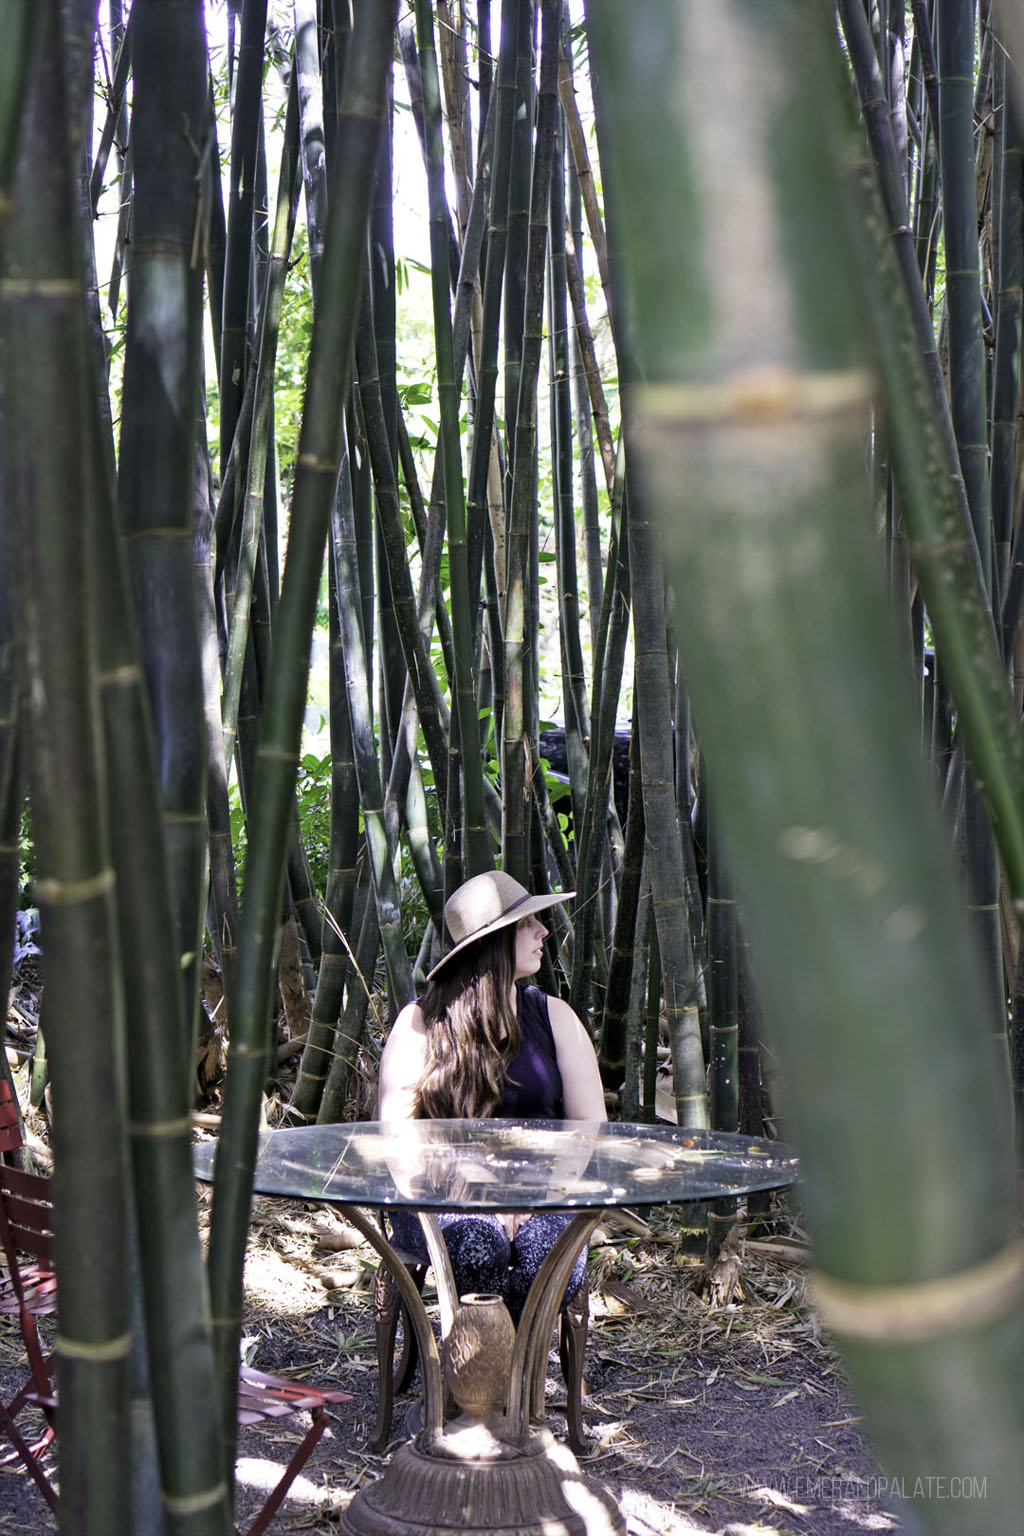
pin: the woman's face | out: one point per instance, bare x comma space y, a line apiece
530, 936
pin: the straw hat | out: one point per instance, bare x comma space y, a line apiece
486, 903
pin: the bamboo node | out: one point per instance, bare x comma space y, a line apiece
98, 1352
43, 288
64, 893
319, 466
153, 1130
926, 1310
194, 1503
757, 395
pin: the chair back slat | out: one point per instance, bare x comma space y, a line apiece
26, 1214
11, 1137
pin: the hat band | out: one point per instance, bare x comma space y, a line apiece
499, 919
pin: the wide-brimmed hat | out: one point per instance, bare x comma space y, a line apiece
486, 903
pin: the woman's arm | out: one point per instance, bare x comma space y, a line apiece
582, 1093
401, 1066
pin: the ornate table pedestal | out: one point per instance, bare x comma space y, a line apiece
488, 1473
470, 1482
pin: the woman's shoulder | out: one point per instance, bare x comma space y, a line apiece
409, 1018
401, 1065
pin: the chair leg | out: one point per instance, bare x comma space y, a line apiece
572, 1344
30, 1454
276, 1498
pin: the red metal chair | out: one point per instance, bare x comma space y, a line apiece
30, 1290
27, 1290
272, 1397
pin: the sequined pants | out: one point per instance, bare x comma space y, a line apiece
483, 1258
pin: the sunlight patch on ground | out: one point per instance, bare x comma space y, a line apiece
272, 1281
647, 1517
261, 1475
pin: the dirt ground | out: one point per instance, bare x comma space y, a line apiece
704, 1421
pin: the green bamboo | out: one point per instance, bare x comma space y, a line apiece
364, 95
116, 121
47, 370
615, 1016
929, 72
403, 606
1009, 300
246, 122
222, 922
723, 999
517, 748
956, 43
160, 1080
20, 36
956, 48
518, 228
476, 835
584, 420
379, 844
664, 851
941, 543
494, 266
311, 118
13, 83
753, 404
162, 371
574, 701
723, 996
607, 678
259, 437
338, 1090
878, 128
341, 880
642, 940
381, 282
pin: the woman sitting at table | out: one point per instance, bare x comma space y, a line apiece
480, 1044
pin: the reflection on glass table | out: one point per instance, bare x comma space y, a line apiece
510, 1165
492, 1469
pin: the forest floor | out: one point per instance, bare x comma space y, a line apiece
728, 1420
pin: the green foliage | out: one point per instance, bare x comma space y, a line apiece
313, 792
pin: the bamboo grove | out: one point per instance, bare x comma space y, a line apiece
726, 308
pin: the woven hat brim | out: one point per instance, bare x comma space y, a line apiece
516, 915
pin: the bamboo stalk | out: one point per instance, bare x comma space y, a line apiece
245, 132
361, 121
476, 835
494, 266
754, 404
518, 743
1009, 302
156, 464
258, 446
46, 373
379, 845
341, 881
616, 1016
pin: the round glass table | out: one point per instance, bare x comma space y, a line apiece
495, 1468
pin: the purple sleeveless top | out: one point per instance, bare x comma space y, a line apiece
533, 1088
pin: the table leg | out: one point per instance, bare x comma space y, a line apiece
533, 1336
490, 1478
430, 1359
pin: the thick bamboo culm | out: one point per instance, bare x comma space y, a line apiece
501, 521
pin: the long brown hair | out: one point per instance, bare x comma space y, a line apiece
472, 1031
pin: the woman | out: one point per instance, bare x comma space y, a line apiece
479, 1044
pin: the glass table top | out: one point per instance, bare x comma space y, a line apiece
509, 1165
